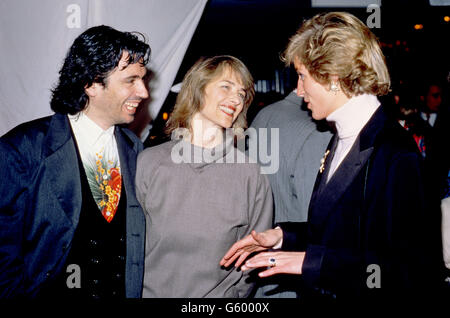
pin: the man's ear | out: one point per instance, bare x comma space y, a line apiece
93, 90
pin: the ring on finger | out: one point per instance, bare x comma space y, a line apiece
272, 262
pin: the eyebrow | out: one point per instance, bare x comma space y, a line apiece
135, 77
232, 83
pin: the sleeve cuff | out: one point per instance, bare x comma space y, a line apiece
312, 264
294, 236
280, 243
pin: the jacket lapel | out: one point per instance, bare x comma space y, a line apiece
325, 164
332, 191
127, 156
327, 195
61, 166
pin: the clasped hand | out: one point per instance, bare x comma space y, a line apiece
278, 262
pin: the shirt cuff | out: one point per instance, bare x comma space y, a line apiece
280, 242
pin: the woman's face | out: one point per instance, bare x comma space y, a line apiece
321, 101
223, 100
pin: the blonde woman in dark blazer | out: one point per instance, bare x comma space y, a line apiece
368, 225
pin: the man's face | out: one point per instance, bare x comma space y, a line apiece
116, 102
434, 98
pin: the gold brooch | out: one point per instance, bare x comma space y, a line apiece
322, 161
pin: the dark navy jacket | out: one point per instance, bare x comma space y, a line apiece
40, 203
373, 211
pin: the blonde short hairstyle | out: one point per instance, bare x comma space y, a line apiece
338, 43
191, 96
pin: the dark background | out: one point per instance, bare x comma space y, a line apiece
257, 31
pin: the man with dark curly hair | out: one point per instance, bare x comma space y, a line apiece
70, 223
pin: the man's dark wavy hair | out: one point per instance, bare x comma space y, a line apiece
92, 56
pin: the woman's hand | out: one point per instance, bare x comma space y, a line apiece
278, 263
253, 242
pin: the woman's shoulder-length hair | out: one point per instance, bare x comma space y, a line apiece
191, 96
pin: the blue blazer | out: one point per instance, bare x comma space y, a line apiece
373, 211
40, 204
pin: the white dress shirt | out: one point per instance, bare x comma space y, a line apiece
429, 118
100, 157
92, 140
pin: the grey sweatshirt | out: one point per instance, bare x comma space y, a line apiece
196, 207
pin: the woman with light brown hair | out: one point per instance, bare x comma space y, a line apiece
199, 193
368, 205
191, 98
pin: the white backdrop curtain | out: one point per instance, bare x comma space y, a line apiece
35, 36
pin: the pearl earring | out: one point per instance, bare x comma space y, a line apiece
334, 87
